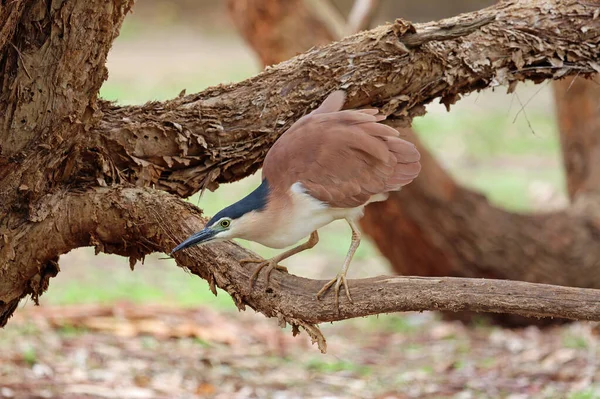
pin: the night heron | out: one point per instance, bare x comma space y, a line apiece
327, 166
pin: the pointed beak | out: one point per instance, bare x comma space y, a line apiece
200, 237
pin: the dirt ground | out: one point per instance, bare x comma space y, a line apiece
138, 352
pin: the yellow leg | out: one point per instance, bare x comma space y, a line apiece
341, 277
272, 263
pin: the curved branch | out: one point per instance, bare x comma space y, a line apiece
223, 133
136, 221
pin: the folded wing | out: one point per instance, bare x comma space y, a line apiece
342, 157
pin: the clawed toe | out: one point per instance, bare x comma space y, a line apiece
338, 282
270, 265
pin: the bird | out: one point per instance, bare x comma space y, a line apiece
327, 166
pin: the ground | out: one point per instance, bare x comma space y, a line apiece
103, 331
150, 351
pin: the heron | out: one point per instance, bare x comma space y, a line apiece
327, 166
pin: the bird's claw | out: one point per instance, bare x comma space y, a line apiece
338, 281
269, 264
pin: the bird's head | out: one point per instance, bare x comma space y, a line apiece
231, 222
219, 229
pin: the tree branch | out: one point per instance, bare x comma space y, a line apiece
136, 221
223, 133
52, 68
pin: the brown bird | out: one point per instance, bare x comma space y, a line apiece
327, 166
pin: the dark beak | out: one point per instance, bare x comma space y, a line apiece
195, 239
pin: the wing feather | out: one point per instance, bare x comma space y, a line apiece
342, 158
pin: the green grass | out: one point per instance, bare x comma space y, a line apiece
588, 393
574, 342
322, 366
492, 148
29, 355
158, 282
140, 91
492, 133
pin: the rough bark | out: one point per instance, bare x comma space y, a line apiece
54, 164
52, 64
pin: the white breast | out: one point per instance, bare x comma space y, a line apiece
308, 214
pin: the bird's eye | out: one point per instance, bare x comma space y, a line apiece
225, 223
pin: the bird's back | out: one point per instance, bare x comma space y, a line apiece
342, 158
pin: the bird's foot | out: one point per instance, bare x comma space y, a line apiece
270, 264
338, 281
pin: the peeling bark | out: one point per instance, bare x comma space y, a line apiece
51, 68
53, 165
52, 60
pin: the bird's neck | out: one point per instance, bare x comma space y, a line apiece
256, 200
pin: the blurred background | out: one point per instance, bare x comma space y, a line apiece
105, 331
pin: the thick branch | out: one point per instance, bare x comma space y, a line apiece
223, 133
134, 222
52, 57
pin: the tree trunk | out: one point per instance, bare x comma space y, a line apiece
76, 171
278, 30
430, 227
578, 110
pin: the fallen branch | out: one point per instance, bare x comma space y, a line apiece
152, 221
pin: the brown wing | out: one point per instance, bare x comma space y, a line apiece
341, 157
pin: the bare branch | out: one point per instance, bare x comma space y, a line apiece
136, 221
